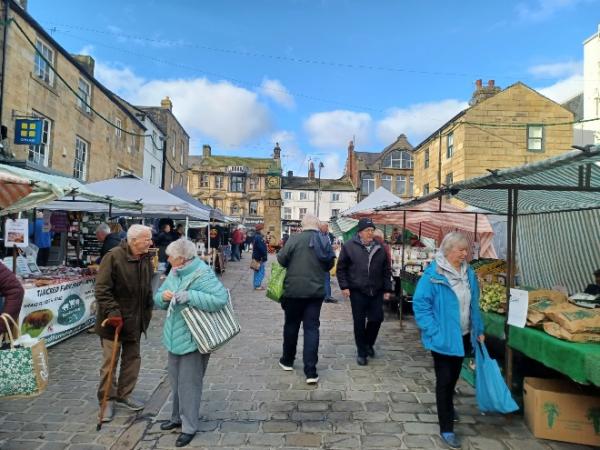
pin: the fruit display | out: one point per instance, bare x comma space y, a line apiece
493, 298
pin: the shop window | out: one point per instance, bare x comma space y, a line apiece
535, 138
80, 162
42, 69
40, 154
386, 182
401, 185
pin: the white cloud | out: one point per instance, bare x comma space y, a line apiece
121, 80
556, 70
276, 91
544, 9
334, 129
418, 120
563, 90
333, 165
87, 50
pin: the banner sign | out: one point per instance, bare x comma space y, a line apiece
58, 311
28, 131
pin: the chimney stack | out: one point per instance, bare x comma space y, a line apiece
478, 83
205, 151
311, 171
290, 173
491, 83
277, 151
166, 103
86, 62
482, 93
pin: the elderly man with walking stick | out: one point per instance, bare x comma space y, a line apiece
124, 299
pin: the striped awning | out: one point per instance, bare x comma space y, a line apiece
12, 189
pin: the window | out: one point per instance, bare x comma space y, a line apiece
398, 159
218, 181
302, 213
426, 189
40, 154
118, 131
42, 68
180, 179
237, 183
204, 180
80, 162
335, 196
335, 212
386, 182
426, 158
173, 150
401, 185
85, 97
253, 207
303, 195
152, 174
449, 178
154, 142
287, 195
172, 179
367, 183
450, 145
234, 209
287, 213
535, 138
132, 146
254, 181
411, 186
182, 149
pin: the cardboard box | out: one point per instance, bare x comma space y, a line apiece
562, 411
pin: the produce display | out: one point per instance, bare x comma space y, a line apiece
493, 298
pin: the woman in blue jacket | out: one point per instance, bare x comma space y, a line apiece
446, 306
190, 283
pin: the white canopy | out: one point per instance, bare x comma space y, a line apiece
377, 199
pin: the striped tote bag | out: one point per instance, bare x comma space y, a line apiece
211, 330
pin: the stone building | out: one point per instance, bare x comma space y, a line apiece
591, 86
500, 129
89, 136
391, 168
177, 144
323, 197
245, 188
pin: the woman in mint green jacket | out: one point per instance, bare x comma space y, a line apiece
190, 283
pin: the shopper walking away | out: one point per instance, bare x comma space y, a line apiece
364, 274
326, 236
190, 283
260, 254
307, 260
446, 305
124, 297
237, 239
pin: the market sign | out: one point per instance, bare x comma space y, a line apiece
28, 131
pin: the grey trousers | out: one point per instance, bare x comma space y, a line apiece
186, 374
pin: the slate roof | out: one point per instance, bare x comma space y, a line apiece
327, 184
225, 161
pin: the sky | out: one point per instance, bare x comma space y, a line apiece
315, 74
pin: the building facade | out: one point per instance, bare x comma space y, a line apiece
247, 189
391, 168
591, 85
501, 129
85, 132
325, 198
176, 144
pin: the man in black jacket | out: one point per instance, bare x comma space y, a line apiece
364, 275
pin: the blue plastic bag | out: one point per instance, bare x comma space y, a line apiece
490, 389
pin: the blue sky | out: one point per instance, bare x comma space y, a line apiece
314, 74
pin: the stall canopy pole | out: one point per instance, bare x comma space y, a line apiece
513, 209
187, 225
401, 302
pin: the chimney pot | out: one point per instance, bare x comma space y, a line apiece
206, 151
491, 83
166, 103
290, 173
478, 84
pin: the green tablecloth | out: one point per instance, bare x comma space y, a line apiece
580, 362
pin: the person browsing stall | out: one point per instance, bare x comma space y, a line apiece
594, 289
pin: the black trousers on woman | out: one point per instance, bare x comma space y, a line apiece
447, 370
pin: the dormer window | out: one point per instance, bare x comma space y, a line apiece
398, 159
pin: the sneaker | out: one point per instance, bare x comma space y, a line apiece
312, 380
109, 412
284, 367
451, 440
131, 403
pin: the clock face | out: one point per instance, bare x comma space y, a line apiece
272, 182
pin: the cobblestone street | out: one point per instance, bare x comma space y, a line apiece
250, 403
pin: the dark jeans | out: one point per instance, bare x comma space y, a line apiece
307, 311
235, 252
369, 309
447, 371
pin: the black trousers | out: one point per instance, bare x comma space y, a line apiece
447, 371
42, 257
306, 311
367, 313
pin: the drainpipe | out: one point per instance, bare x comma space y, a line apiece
164, 163
439, 159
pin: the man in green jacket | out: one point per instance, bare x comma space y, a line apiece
304, 290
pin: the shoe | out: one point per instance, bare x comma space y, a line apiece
361, 360
168, 425
284, 367
259, 288
131, 403
312, 380
455, 416
184, 439
451, 440
109, 412
370, 351
330, 300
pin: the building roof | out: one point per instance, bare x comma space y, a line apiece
224, 161
159, 109
371, 158
327, 184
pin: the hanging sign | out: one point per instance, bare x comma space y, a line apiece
28, 131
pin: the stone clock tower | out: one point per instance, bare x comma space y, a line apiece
272, 212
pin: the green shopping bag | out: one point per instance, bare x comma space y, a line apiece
275, 284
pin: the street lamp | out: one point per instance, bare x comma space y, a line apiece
321, 165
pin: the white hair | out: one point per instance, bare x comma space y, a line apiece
182, 248
453, 240
136, 230
103, 228
310, 222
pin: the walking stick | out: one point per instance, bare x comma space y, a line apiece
107, 385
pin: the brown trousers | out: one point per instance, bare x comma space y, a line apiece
130, 362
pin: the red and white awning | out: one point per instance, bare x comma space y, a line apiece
12, 189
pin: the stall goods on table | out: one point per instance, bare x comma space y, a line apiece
416, 259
